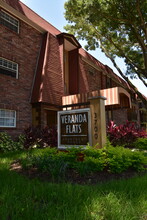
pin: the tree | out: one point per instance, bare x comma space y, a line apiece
118, 27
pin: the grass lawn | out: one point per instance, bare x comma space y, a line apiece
25, 199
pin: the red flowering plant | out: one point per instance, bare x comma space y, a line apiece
125, 134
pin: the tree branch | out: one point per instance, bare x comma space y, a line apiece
144, 27
126, 78
130, 62
143, 46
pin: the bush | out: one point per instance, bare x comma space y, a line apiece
120, 159
112, 159
37, 137
90, 165
7, 144
125, 134
55, 166
140, 143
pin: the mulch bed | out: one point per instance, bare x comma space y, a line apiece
73, 177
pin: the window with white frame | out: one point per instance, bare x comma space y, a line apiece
7, 118
8, 68
9, 21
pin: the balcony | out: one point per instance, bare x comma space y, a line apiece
117, 97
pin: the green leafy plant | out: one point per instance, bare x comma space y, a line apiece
55, 166
90, 165
120, 159
108, 143
138, 160
112, 159
7, 144
140, 143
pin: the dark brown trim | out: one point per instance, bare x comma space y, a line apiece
46, 103
7, 128
73, 105
70, 38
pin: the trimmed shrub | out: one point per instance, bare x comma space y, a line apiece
112, 159
140, 143
7, 144
120, 159
90, 165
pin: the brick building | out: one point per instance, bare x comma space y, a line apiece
43, 71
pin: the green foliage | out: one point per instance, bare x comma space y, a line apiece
140, 143
116, 23
55, 166
108, 143
7, 144
138, 160
52, 161
86, 162
117, 27
120, 159
90, 165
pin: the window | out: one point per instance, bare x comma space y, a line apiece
8, 68
9, 21
108, 82
91, 72
7, 118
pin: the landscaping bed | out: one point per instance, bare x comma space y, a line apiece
74, 177
90, 166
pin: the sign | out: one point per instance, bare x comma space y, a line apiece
74, 128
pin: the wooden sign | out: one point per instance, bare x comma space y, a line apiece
74, 128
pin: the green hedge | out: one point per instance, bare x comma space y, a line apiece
141, 143
112, 159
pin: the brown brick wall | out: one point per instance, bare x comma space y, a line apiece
114, 84
120, 116
103, 82
89, 78
53, 88
22, 48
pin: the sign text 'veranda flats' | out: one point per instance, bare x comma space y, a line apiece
74, 128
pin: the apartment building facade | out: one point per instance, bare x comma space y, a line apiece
43, 71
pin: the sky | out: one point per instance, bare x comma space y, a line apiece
53, 12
